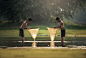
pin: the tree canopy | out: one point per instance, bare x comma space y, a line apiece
40, 10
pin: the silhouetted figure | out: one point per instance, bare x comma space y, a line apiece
22, 27
61, 26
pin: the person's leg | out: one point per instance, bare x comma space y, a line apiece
62, 41
21, 33
22, 37
22, 41
62, 37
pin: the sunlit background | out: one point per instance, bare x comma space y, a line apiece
43, 13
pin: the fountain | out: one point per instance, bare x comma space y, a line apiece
33, 32
52, 32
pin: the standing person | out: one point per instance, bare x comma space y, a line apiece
22, 27
61, 26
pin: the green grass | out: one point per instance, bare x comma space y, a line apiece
68, 25
13, 28
42, 32
47, 38
73, 26
42, 53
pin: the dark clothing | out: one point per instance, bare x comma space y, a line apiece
63, 33
21, 33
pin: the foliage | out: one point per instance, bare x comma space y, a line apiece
1, 21
71, 25
13, 33
81, 16
39, 10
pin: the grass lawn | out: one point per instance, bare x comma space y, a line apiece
42, 32
42, 53
13, 28
46, 38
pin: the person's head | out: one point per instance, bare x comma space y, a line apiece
58, 19
29, 20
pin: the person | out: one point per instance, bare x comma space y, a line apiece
22, 27
61, 26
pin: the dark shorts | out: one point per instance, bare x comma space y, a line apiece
21, 33
63, 33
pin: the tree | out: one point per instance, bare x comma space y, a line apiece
80, 16
40, 10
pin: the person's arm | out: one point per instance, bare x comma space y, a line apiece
58, 26
25, 26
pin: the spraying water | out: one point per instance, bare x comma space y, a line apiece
33, 32
52, 32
